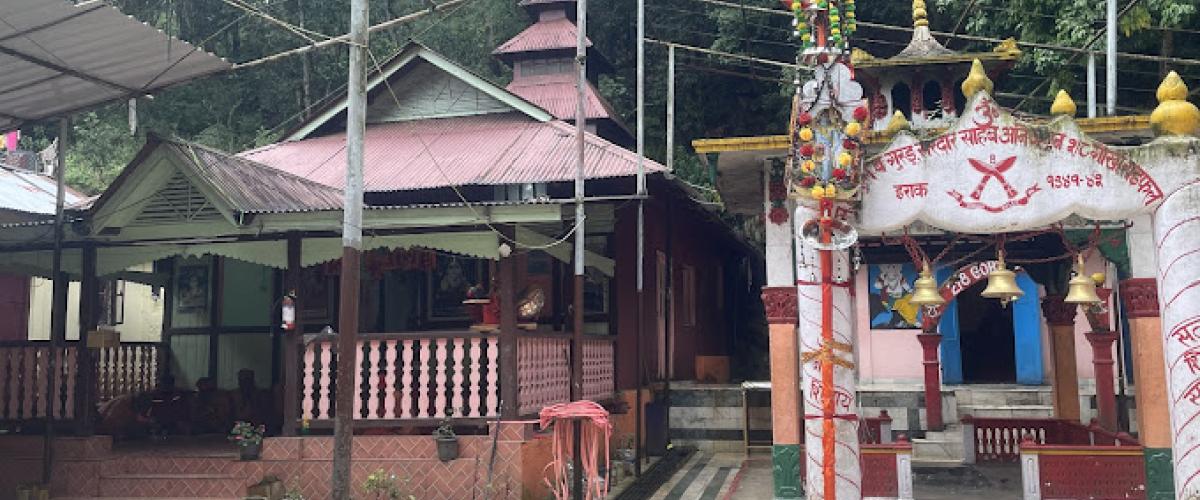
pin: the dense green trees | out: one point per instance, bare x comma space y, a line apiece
715, 96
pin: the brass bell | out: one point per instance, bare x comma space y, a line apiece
925, 290
1081, 289
1002, 284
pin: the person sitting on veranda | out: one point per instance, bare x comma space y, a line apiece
169, 408
211, 409
251, 404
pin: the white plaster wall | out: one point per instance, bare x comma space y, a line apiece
143, 311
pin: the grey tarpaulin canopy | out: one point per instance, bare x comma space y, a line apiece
57, 58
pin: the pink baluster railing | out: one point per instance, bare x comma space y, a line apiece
543, 372
999, 439
25, 391
409, 376
127, 368
598, 369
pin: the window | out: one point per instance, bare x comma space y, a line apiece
902, 99
931, 98
536, 67
112, 303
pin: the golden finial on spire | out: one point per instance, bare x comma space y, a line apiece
897, 123
920, 15
1174, 114
976, 81
1063, 104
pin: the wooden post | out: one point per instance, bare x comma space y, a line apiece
1101, 340
58, 309
509, 390
1061, 318
933, 380
291, 338
85, 375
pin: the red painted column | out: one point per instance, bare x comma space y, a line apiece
1101, 337
1106, 397
933, 379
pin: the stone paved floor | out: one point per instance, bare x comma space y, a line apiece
705, 476
731, 476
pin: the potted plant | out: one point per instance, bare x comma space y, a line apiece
447, 440
384, 486
249, 439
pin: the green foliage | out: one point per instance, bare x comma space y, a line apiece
716, 96
383, 485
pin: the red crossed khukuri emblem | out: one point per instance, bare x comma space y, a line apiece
997, 172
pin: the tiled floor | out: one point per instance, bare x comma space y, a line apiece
706, 476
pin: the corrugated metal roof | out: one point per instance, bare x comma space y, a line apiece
31, 193
557, 95
58, 57
542, 35
506, 148
255, 188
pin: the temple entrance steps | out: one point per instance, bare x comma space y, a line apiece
939, 448
1003, 400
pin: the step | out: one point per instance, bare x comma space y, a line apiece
149, 485
936, 463
1002, 396
937, 450
174, 465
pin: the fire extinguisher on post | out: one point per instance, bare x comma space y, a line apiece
288, 312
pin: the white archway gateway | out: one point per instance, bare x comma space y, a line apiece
990, 173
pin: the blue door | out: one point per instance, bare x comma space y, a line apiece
1027, 332
951, 347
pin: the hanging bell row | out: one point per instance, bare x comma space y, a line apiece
1002, 284
925, 289
1081, 289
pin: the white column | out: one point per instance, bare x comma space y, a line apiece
808, 289
1177, 239
1031, 482
904, 477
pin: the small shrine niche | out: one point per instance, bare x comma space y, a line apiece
923, 79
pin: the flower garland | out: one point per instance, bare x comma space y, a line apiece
812, 16
825, 162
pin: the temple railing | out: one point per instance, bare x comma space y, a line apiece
127, 368
543, 371
418, 377
25, 373
1082, 471
26, 367
1000, 439
887, 470
412, 376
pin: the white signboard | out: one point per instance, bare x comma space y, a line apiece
992, 173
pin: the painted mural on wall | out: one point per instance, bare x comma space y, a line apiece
890, 287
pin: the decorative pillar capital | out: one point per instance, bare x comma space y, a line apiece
929, 341
1102, 341
1140, 296
781, 304
1057, 312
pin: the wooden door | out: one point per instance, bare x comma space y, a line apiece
14, 307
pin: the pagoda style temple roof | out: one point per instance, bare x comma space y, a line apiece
923, 49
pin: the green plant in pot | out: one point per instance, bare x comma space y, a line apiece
446, 439
249, 438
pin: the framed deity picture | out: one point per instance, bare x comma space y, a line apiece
889, 292
318, 295
191, 288
448, 284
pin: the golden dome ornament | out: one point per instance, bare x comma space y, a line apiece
1002, 284
1081, 289
925, 289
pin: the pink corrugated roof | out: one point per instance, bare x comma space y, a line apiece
507, 148
557, 95
542, 35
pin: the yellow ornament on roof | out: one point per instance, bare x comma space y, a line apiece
1174, 114
919, 14
853, 129
897, 123
1063, 104
806, 134
976, 81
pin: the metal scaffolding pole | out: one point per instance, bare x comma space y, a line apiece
1110, 83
